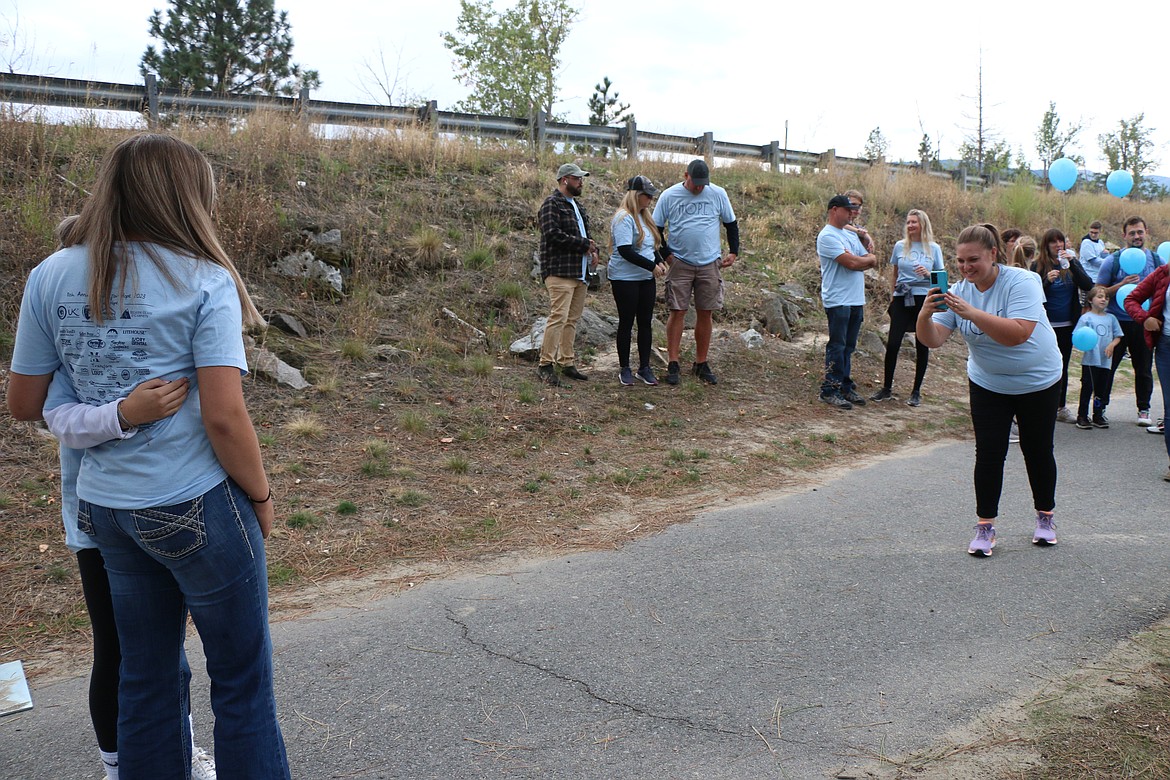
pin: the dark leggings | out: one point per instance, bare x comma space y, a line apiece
903, 320
107, 653
635, 301
1096, 385
991, 417
1064, 341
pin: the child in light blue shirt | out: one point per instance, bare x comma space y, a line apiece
1096, 373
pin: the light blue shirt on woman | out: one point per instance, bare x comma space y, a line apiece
625, 233
931, 261
1025, 368
157, 330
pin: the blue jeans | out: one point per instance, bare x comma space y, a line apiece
1162, 362
844, 325
206, 556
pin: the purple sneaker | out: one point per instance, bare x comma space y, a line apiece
984, 540
1045, 532
646, 375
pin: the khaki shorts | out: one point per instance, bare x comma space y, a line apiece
704, 280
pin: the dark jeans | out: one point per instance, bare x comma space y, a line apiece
1096, 383
991, 417
844, 325
903, 320
635, 302
1064, 341
1162, 357
1142, 359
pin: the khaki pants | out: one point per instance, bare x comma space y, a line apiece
566, 302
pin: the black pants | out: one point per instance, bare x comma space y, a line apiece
107, 652
991, 417
635, 302
1096, 383
903, 320
1142, 358
1064, 341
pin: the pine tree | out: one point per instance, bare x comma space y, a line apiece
235, 47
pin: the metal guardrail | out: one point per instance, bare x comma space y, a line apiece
148, 99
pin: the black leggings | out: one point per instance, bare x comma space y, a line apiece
1064, 341
635, 301
991, 417
903, 320
107, 652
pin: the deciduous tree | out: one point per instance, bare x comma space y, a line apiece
1128, 148
875, 146
1052, 143
510, 60
236, 47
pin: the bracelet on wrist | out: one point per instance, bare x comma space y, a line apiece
264, 500
123, 423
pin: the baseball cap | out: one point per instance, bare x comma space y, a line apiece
642, 184
570, 169
699, 172
843, 202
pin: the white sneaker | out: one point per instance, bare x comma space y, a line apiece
1156, 427
1065, 415
1144, 418
202, 765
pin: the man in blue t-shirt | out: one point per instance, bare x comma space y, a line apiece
843, 262
693, 209
1113, 278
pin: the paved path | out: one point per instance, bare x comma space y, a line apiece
785, 639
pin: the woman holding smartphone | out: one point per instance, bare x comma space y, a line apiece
1063, 279
911, 264
180, 511
1013, 368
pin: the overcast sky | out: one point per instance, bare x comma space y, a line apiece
737, 68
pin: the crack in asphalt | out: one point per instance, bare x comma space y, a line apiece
587, 688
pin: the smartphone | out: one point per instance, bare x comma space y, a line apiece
939, 279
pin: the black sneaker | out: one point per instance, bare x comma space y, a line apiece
548, 375
672, 373
1100, 420
853, 398
703, 372
882, 395
837, 401
572, 373
915, 399
1083, 423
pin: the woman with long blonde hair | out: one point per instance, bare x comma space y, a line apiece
635, 262
142, 289
913, 258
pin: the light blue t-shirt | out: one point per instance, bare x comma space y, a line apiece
156, 331
1025, 368
1092, 253
1111, 273
1107, 328
693, 221
840, 286
932, 261
624, 232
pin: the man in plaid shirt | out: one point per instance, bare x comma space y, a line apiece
566, 252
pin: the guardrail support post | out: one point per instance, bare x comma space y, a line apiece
538, 129
828, 160
707, 147
151, 99
428, 114
774, 156
302, 103
631, 139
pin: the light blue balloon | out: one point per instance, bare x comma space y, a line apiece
1132, 261
1084, 338
1164, 251
1123, 293
1119, 183
1063, 174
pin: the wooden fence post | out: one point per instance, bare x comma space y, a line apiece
539, 130
774, 156
302, 104
151, 99
428, 114
828, 160
631, 139
707, 147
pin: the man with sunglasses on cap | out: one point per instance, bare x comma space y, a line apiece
843, 260
691, 212
566, 253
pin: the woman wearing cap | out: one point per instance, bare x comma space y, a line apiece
634, 263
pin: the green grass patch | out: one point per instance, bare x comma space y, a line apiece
303, 520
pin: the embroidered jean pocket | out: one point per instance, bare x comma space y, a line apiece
84, 524
172, 531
